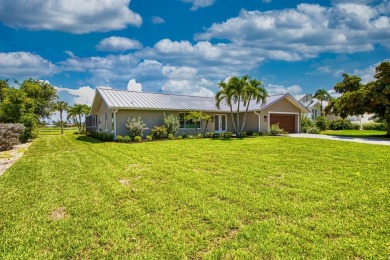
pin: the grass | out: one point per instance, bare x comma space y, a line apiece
57, 130
356, 133
269, 197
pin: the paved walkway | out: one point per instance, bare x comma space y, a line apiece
368, 140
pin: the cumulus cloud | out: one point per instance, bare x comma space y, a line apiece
196, 4
280, 89
157, 20
186, 87
115, 43
72, 16
81, 95
25, 64
134, 86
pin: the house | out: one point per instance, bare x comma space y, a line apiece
112, 108
314, 106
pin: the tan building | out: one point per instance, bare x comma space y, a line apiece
111, 109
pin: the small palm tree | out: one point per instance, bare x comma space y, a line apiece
197, 116
322, 95
78, 111
61, 106
226, 94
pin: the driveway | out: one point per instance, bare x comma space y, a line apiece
368, 140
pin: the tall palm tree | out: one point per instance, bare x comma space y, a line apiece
226, 94
237, 86
322, 95
78, 111
253, 90
61, 106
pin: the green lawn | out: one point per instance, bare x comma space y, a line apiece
356, 133
268, 197
57, 130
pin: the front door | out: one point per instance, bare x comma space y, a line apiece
220, 123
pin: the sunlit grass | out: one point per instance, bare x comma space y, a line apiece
57, 130
268, 197
355, 133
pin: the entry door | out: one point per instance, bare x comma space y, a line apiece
220, 123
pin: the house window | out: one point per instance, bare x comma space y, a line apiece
187, 123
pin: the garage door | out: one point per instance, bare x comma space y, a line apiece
286, 122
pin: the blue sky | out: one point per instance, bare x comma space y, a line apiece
187, 46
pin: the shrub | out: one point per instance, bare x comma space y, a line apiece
228, 135
250, 133
355, 126
30, 122
200, 135
179, 137
135, 127
306, 123
255, 134
149, 138
171, 137
184, 136
190, 137
9, 135
244, 134
276, 130
119, 138
209, 134
172, 124
313, 130
127, 139
322, 123
375, 126
340, 124
102, 136
159, 132
137, 139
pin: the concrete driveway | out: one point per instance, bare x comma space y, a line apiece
368, 140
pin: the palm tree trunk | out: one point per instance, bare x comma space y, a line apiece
62, 123
246, 113
79, 123
238, 118
204, 130
321, 107
233, 121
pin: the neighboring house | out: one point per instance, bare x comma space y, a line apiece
112, 108
313, 105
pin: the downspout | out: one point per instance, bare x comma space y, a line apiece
115, 123
258, 115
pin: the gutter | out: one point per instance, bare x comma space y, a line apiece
258, 114
115, 123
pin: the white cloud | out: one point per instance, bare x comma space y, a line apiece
118, 44
81, 95
72, 16
157, 20
280, 89
186, 87
134, 86
25, 64
196, 4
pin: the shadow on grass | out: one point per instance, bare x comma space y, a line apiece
88, 139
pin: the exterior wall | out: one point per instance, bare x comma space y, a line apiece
252, 122
101, 115
283, 106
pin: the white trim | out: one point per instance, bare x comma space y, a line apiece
220, 121
115, 123
259, 118
288, 113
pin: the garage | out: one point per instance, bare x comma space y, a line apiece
286, 122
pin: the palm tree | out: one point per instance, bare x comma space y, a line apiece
77, 111
237, 86
226, 94
322, 95
197, 116
253, 90
61, 106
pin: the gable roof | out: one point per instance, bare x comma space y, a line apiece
125, 99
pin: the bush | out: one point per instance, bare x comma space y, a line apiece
276, 130
127, 139
340, 124
171, 137
30, 122
200, 135
137, 139
179, 137
135, 127
105, 137
250, 133
255, 134
322, 123
355, 126
313, 130
306, 123
190, 137
119, 138
244, 134
9, 135
375, 126
149, 138
209, 135
159, 132
184, 136
228, 135
172, 124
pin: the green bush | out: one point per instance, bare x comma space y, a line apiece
375, 126
149, 138
209, 134
30, 122
306, 123
127, 139
184, 136
159, 132
179, 137
200, 135
135, 127
322, 123
172, 124
313, 130
250, 133
340, 124
10, 135
190, 137
228, 135
255, 134
171, 137
105, 137
244, 134
276, 130
119, 139
137, 139
355, 126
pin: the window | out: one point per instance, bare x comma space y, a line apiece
187, 123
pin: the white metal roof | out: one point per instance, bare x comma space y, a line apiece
124, 99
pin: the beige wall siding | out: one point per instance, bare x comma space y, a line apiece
252, 122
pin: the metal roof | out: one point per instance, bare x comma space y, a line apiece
125, 99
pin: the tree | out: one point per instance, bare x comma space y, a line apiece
225, 94
253, 90
42, 96
172, 124
237, 87
61, 106
322, 95
77, 112
197, 116
358, 98
3, 86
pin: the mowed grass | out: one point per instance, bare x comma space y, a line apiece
356, 133
269, 197
56, 130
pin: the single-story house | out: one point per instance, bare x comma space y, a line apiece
111, 109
